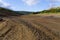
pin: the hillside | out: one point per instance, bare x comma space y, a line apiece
51, 10
8, 12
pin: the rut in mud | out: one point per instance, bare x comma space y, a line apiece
27, 28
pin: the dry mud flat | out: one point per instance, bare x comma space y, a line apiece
30, 28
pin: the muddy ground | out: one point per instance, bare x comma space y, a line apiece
30, 28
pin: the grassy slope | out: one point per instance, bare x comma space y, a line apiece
51, 11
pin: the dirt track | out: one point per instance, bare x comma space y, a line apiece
30, 28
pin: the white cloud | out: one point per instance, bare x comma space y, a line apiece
52, 0
30, 2
4, 4
56, 0
53, 3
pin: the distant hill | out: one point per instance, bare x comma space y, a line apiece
23, 12
8, 12
52, 10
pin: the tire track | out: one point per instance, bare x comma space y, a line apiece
23, 29
37, 28
6, 28
34, 27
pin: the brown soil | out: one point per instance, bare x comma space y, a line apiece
30, 28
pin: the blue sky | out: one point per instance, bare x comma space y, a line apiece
29, 5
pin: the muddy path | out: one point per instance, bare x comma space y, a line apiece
30, 28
